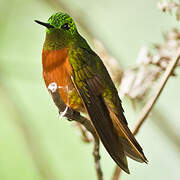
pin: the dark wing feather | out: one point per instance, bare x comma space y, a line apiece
101, 120
103, 105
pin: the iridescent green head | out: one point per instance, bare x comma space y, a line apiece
61, 31
62, 22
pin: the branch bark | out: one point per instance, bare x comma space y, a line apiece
72, 115
150, 104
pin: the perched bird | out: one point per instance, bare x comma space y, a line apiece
68, 61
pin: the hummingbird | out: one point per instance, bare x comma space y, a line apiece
68, 60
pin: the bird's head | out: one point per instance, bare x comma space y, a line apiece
61, 30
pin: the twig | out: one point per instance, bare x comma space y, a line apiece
84, 133
72, 115
117, 173
97, 158
150, 104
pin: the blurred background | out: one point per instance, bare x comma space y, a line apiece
34, 142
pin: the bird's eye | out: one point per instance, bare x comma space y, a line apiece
65, 26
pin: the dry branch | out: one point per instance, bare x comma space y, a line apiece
150, 104
72, 115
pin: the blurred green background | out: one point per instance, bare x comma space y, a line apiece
34, 142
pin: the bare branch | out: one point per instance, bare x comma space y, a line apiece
97, 159
72, 115
117, 173
86, 136
150, 104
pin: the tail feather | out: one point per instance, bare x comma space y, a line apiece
130, 144
129, 151
109, 127
102, 122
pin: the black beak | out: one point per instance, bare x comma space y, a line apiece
44, 24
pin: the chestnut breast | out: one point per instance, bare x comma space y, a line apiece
56, 68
